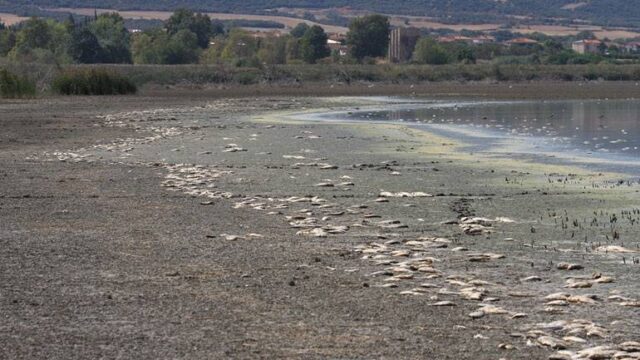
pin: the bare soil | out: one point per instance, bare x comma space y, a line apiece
129, 230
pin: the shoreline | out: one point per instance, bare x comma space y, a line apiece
535, 90
500, 144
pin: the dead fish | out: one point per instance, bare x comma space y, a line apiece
551, 342
614, 249
578, 284
316, 232
492, 309
485, 257
460, 248
630, 346
411, 292
582, 299
429, 286
568, 266
443, 303
387, 194
471, 229
476, 221
557, 296
476, 314
473, 293
574, 339
324, 184
597, 352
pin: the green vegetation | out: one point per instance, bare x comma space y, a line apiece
313, 45
93, 81
368, 36
428, 51
201, 51
190, 38
14, 86
350, 74
199, 24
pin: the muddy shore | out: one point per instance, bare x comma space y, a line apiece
205, 223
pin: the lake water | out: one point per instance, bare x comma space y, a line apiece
597, 134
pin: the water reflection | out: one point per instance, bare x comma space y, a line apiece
585, 127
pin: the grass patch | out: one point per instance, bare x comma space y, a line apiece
92, 81
14, 86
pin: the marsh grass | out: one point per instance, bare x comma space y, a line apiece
15, 86
92, 81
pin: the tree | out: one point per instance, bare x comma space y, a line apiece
428, 51
199, 24
465, 54
7, 41
368, 36
273, 50
313, 45
293, 50
158, 47
181, 49
240, 46
299, 30
213, 54
113, 38
43, 41
143, 47
85, 47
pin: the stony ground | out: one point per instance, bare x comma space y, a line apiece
182, 226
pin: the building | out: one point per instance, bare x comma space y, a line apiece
264, 34
337, 47
402, 42
483, 39
587, 46
522, 41
453, 38
477, 40
632, 47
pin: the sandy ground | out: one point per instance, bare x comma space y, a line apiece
11, 19
183, 224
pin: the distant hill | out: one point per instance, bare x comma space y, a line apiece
601, 12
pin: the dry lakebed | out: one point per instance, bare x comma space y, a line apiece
188, 226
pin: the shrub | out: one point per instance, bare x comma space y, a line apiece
14, 86
246, 77
92, 82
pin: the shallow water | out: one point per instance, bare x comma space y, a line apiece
598, 134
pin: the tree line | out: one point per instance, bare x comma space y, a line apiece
188, 37
185, 38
